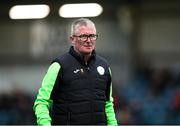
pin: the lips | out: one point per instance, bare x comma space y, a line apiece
88, 45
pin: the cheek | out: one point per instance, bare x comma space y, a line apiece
78, 44
94, 43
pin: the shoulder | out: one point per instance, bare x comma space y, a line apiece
62, 58
102, 60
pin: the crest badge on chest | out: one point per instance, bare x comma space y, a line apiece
100, 70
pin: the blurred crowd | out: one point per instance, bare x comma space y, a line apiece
151, 97
16, 108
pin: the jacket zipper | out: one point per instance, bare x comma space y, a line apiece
68, 118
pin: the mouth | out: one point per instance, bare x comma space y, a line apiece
88, 46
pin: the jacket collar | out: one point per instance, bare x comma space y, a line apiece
80, 58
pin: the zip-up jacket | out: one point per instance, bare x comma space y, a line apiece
74, 92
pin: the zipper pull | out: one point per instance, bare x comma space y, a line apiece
82, 71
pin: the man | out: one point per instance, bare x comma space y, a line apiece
77, 87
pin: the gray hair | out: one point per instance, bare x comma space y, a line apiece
80, 22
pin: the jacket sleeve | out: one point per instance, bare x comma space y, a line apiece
111, 118
43, 101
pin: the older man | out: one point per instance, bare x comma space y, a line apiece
77, 87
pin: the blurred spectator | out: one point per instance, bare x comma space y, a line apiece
151, 97
175, 112
16, 108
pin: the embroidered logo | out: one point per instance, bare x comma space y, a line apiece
78, 70
100, 70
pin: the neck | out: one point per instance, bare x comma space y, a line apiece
86, 56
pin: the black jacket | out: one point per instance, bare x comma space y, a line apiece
81, 90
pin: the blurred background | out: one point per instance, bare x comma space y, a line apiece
139, 38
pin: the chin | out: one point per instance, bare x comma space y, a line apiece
86, 52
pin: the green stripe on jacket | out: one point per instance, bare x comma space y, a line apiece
111, 118
43, 101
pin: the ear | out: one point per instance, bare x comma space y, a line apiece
71, 39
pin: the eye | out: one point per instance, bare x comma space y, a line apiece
85, 36
93, 36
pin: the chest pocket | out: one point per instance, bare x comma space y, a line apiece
101, 82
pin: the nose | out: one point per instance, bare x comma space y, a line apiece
88, 39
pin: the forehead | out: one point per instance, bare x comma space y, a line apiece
86, 29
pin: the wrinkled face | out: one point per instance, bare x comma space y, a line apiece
84, 39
